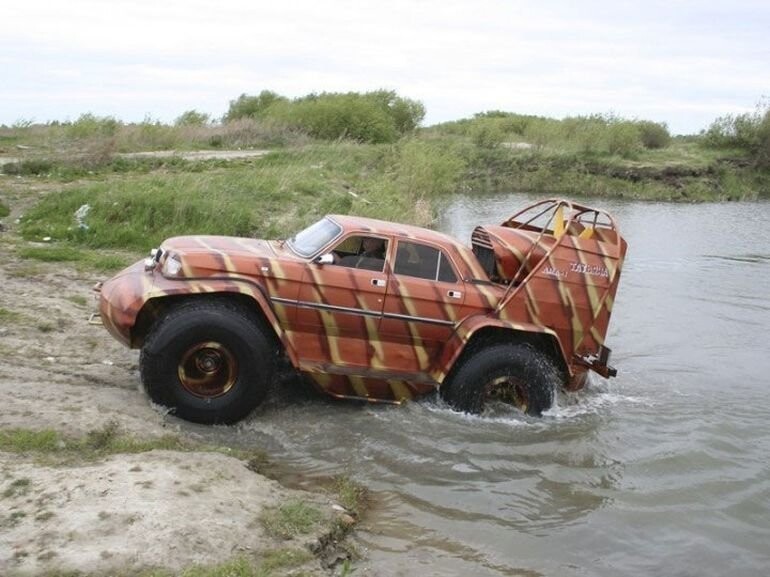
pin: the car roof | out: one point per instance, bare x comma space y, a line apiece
387, 228
464, 257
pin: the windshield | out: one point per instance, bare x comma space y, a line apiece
315, 237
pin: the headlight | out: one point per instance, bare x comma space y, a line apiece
172, 266
151, 261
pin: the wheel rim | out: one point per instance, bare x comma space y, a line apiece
208, 370
508, 390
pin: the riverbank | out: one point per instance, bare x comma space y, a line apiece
96, 481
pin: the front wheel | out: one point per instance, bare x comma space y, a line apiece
515, 374
208, 361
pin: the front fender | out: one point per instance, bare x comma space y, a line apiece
164, 287
134, 293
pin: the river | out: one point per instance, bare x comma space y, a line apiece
664, 470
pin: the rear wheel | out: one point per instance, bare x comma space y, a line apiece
515, 374
209, 361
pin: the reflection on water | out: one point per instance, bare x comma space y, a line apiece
662, 471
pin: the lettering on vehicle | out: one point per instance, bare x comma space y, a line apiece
554, 272
590, 269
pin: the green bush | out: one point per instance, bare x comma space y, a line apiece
653, 134
192, 118
487, 134
374, 117
762, 151
87, 126
749, 132
623, 139
4, 210
246, 106
543, 132
335, 116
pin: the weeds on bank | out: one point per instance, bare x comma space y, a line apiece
351, 495
269, 199
283, 561
96, 444
291, 520
84, 259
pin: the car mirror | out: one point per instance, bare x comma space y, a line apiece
327, 258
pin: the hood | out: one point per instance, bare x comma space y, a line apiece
203, 255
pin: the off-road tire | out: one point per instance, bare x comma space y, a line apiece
208, 361
524, 377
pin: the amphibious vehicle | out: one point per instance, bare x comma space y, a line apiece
375, 311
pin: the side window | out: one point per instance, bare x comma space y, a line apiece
445, 271
421, 261
364, 252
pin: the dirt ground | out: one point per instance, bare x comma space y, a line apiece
157, 509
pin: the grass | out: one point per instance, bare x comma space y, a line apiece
108, 439
8, 316
291, 520
269, 198
84, 259
350, 494
96, 444
282, 561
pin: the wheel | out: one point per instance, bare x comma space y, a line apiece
515, 374
209, 361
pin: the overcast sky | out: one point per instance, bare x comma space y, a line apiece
680, 62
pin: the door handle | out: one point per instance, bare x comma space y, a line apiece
378, 282
454, 294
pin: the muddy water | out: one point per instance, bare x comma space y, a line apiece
664, 470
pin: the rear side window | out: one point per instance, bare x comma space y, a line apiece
421, 261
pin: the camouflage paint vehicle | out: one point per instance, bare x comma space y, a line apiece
376, 311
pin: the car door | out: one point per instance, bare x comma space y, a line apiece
424, 300
340, 307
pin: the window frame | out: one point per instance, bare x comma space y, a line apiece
436, 271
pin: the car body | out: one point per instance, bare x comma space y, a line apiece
390, 327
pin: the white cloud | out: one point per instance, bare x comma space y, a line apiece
682, 62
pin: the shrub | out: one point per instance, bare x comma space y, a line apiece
192, 118
749, 131
623, 139
406, 114
487, 134
87, 126
334, 116
653, 134
246, 106
375, 117
542, 132
762, 152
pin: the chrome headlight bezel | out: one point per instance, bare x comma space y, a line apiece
151, 262
172, 266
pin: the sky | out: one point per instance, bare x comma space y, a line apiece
681, 62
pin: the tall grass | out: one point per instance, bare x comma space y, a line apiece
268, 198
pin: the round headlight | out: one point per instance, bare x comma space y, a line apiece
172, 266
